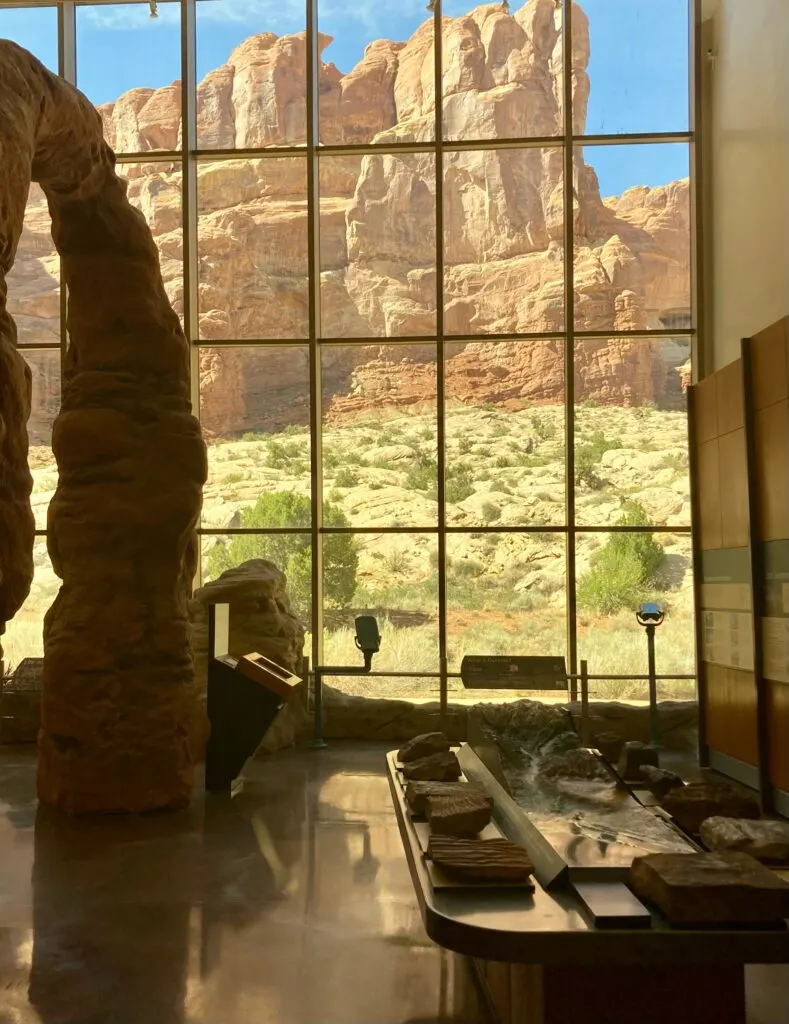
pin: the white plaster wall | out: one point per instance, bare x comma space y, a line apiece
747, 283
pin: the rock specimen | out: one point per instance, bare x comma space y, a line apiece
262, 620
434, 768
422, 746
464, 812
710, 888
610, 745
418, 793
659, 781
690, 805
634, 755
117, 707
766, 841
480, 859
503, 219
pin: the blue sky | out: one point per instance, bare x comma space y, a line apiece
638, 66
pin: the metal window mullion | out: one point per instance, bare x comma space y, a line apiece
569, 341
67, 68
314, 297
189, 281
438, 139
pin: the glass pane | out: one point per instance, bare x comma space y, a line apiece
254, 410
155, 189
34, 28
45, 367
378, 246
632, 246
505, 595
252, 241
505, 433
377, 74
379, 434
393, 577
631, 430
617, 572
290, 552
637, 56
252, 74
34, 280
129, 66
637, 690
24, 635
503, 249
502, 71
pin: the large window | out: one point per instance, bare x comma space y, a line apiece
442, 348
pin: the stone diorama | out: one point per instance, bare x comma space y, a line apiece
118, 694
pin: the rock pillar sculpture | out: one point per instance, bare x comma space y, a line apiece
118, 706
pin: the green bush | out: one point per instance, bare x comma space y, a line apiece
459, 482
292, 552
421, 474
621, 571
346, 477
543, 426
490, 512
588, 456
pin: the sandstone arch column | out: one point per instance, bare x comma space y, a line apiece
118, 707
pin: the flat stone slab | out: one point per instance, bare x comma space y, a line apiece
434, 768
710, 888
766, 841
463, 812
422, 746
417, 793
480, 859
692, 804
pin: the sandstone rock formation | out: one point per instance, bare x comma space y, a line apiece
503, 228
118, 667
261, 620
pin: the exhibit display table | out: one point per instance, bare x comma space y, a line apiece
544, 962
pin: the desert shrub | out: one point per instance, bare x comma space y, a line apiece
678, 461
421, 474
352, 458
620, 572
251, 435
281, 454
499, 430
483, 452
502, 462
468, 568
465, 444
292, 552
490, 512
294, 430
232, 478
346, 478
459, 482
543, 426
588, 456
375, 485
396, 562
330, 460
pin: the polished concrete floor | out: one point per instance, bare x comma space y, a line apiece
290, 902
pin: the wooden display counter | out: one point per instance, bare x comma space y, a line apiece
543, 962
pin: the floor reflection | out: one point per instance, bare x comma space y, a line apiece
289, 902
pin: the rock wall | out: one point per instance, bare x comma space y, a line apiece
118, 697
503, 213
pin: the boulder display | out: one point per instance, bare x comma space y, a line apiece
433, 768
503, 227
610, 745
117, 704
710, 888
766, 841
480, 859
261, 620
633, 757
659, 781
690, 805
464, 812
422, 746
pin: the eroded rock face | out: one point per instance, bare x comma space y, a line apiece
766, 841
503, 227
118, 667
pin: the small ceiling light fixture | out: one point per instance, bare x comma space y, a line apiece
154, 11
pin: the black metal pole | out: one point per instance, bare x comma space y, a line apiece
318, 742
654, 730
